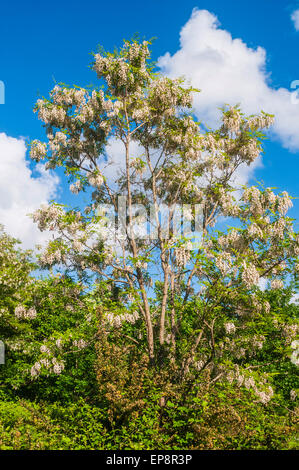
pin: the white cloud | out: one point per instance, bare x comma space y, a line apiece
263, 283
115, 163
295, 19
295, 299
229, 72
21, 193
244, 173
116, 159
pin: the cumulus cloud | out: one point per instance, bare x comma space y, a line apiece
295, 299
115, 159
295, 19
263, 283
243, 174
227, 71
115, 163
21, 193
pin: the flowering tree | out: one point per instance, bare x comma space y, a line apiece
39, 320
196, 308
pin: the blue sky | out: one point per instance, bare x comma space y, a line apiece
45, 41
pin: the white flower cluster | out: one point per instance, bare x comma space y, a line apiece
138, 52
51, 366
48, 217
164, 99
264, 396
251, 151
51, 114
118, 320
289, 331
259, 122
186, 139
211, 144
3, 311
87, 114
95, 180
230, 328
21, 312
57, 141
270, 197
266, 306
228, 205
254, 231
51, 257
250, 275
45, 349
199, 364
114, 108
254, 196
277, 229
18, 345
73, 227
293, 395
78, 245
115, 71
238, 349
284, 203
276, 284
224, 263
80, 343
141, 113
257, 305
76, 187
295, 353
68, 96
141, 264
182, 253
261, 201
182, 256
58, 367
38, 150
257, 342
232, 120
233, 239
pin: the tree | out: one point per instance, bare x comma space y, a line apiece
205, 313
39, 320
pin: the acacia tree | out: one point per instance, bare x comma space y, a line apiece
200, 314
